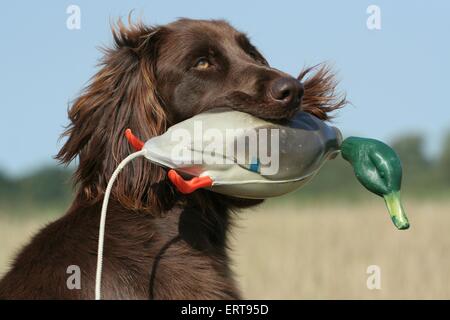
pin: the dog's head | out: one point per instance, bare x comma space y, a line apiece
157, 76
208, 64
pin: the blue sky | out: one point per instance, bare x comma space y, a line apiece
396, 77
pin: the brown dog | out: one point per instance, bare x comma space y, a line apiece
159, 243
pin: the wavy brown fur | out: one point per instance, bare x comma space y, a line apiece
321, 96
121, 95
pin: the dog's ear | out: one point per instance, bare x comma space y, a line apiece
321, 96
121, 95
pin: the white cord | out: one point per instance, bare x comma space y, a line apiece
101, 232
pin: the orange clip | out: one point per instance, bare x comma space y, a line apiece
184, 186
133, 140
188, 186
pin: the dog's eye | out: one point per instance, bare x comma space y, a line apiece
202, 64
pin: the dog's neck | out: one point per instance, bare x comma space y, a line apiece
206, 218
204, 223
201, 219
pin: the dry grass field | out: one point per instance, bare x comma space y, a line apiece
321, 251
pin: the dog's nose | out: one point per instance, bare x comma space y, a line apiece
287, 90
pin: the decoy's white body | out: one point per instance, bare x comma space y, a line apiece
245, 156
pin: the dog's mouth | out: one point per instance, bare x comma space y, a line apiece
257, 107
